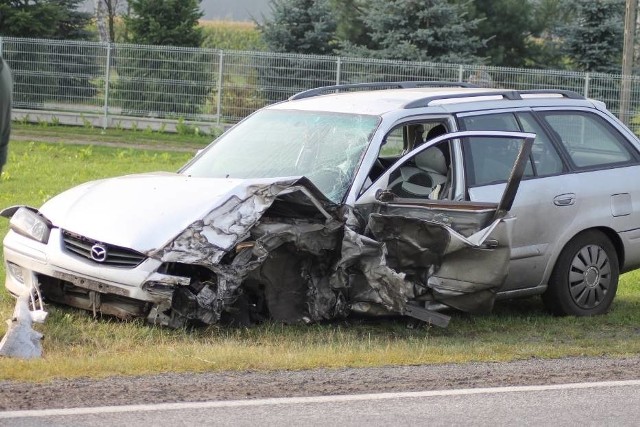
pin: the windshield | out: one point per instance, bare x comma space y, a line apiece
324, 147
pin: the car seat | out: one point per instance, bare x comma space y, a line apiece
425, 178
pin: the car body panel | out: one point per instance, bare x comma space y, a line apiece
165, 204
533, 240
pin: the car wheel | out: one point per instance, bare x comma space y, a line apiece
585, 278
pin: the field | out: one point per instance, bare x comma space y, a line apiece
231, 35
76, 345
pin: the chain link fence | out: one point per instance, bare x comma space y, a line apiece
116, 84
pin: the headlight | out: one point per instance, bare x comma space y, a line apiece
30, 224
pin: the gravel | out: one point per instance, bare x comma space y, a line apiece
192, 387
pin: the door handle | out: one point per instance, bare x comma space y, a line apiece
567, 199
490, 244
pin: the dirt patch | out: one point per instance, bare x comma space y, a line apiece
190, 387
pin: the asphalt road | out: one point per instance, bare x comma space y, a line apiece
598, 403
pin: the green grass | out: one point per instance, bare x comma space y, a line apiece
76, 345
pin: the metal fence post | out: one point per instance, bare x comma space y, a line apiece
1, 44
587, 80
106, 87
338, 69
461, 73
220, 77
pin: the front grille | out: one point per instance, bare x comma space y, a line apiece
116, 256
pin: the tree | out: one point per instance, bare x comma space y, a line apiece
545, 47
426, 30
551, 15
594, 40
300, 26
106, 14
303, 27
350, 26
505, 28
166, 82
49, 19
165, 22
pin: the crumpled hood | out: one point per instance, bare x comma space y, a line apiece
142, 212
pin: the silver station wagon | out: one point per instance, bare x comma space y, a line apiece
409, 198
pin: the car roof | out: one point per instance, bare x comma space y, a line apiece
368, 99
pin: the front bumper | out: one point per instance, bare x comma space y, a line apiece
72, 280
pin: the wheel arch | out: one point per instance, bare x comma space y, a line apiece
616, 241
610, 233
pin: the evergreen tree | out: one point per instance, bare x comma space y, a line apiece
165, 22
594, 40
47, 19
418, 30
165, 82
505, 28
300, 26
73, 69
350, 26
545, 49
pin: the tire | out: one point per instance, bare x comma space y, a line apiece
584, 280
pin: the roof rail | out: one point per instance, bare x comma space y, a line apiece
376, 85
424, 102
506, 94
565, 93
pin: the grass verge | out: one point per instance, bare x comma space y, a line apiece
89, 135
76, 345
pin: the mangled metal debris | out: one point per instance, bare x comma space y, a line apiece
297, 270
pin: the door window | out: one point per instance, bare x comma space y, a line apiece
489, 161
402, 139
393, 145
545, 157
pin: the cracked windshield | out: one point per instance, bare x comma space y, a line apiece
324, 147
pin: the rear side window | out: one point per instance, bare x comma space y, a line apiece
589, 139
